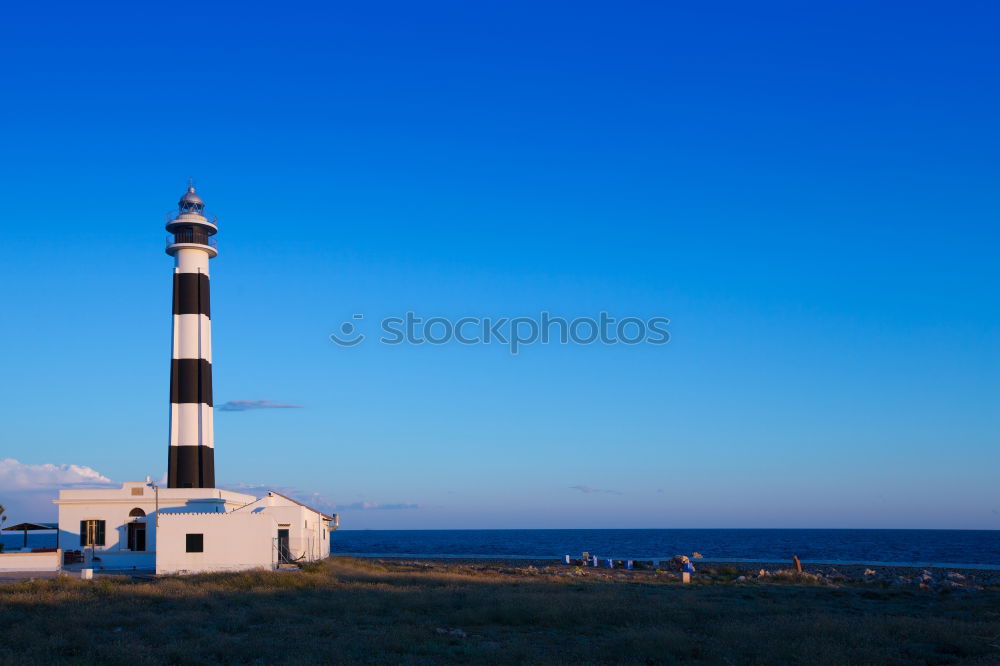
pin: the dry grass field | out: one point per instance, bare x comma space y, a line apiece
353, 611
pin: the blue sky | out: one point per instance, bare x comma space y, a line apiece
808, 193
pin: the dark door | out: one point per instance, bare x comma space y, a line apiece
137, 536
283, 553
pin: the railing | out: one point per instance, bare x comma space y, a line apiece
174, 214
196, 237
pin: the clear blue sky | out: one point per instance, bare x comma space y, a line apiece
808, 193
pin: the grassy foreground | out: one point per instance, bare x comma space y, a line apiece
346, 610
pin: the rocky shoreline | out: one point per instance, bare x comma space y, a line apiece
893, 575
915, 577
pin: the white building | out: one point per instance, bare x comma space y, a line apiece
188, 530
190, 526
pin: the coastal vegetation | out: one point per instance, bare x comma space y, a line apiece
346, 610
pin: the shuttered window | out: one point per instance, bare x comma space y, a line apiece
91, 532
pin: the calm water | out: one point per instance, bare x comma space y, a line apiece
924, 547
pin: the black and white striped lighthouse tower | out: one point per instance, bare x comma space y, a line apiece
191, 463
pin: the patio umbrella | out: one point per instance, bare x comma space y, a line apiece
31, 527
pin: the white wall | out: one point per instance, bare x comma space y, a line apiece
308, 532
31, 561
232, 541
300, 545
115, 516
113, 505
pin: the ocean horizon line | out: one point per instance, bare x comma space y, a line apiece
607, 529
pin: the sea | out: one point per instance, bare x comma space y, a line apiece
943, 548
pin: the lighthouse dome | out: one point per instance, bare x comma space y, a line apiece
190, 214
191, 201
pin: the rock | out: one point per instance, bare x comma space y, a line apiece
741, 579
455, 633
954, 575
696, 555
869, 572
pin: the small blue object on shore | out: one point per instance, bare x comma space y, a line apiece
628, 565
567, 559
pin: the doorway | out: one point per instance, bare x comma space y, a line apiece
137, 536
284, 555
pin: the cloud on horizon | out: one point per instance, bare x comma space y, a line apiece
317, 500
245, 405
27, 490
588, 490
18, 476
375, 506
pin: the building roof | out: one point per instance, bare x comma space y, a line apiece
272, 492
166, 495
29, 527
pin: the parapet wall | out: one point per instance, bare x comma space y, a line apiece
51, 561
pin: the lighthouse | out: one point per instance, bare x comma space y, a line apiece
191, 462
190, 526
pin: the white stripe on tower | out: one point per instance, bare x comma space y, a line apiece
191, 463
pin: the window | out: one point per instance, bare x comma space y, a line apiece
91, 532
136, 513
195, 543
137, 491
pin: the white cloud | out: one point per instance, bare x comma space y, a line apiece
588, 490
244, 405
375, 506
27, 490
317, 500
18, 476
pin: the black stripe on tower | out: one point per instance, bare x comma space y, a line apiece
191, 294
190, 380
191, 467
